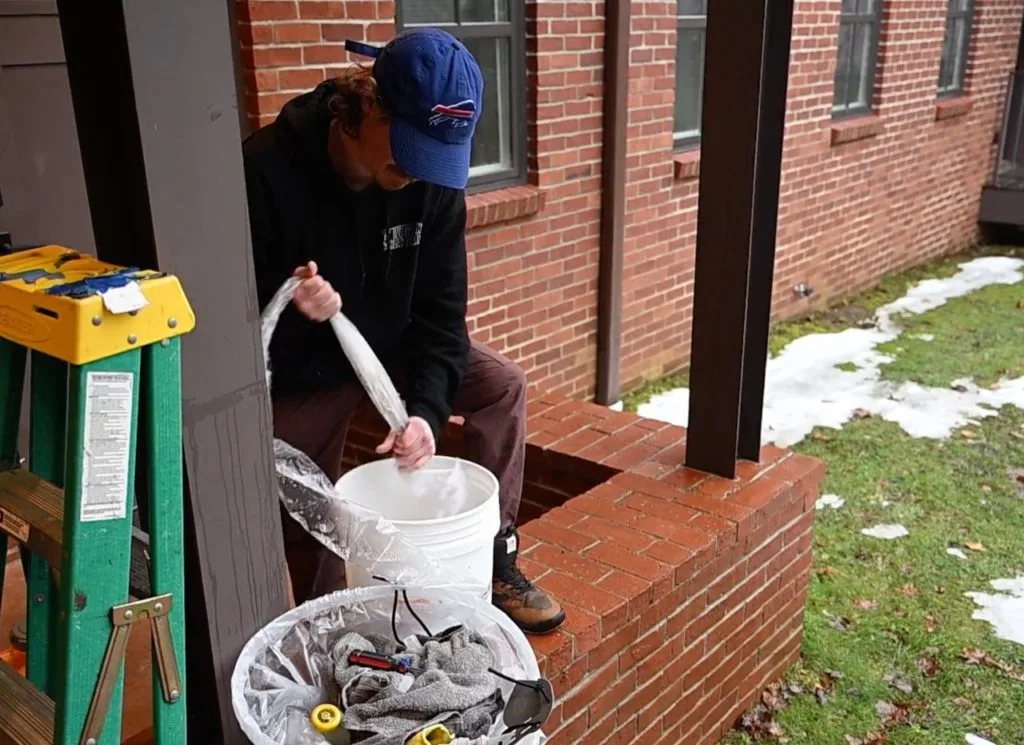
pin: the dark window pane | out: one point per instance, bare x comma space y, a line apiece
862, 65
866, 6
428, 11
843, 65
483, 11
947, 66
689, 81
958, 5
692, 8
849, 6
492, 145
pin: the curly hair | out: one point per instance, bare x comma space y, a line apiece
352, 91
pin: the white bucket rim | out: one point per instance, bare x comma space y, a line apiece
433, 520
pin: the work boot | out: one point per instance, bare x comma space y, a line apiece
532, 609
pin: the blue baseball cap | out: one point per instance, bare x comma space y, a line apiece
432, 89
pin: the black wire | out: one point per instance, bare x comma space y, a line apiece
408, 605
394, 621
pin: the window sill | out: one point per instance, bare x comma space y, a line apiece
686, 164
858, 128
491, 207
951, 108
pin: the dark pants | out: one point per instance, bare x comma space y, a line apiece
492, 400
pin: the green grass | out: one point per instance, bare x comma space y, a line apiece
980, 335
947, 493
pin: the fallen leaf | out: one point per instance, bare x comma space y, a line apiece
963, 703
940, 590
972, 656
899, 683
906, 569
820, 437
931, 623
821, 694
968, 433
909, 591
795, 688
986, 488
929, 668
959, 387
834, 675
866, 605
974, 546
826, 572
861, 414
851, 740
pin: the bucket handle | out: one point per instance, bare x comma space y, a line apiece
368, 368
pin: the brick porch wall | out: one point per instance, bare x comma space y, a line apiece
684, 592
857, 201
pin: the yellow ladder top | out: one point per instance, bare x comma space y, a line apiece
78, 309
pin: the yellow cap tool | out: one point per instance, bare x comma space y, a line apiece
436, 734
325, 718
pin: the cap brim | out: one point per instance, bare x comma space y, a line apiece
427, 159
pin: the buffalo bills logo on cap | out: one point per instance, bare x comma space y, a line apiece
456, 115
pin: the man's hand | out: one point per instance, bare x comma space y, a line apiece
314, 297
413, 446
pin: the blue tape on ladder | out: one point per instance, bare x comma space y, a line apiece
30, 276
95, 285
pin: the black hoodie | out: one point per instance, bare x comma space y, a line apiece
398, 260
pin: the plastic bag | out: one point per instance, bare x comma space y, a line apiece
352, 532
286, 664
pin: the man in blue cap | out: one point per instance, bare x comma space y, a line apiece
358, 188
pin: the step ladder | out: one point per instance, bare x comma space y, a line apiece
105, 359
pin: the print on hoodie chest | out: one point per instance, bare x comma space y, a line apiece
401, 236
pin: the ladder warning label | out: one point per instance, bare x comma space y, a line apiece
108, 429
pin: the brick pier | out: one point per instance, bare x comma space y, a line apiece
684, 592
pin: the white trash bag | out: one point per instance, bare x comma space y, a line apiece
291, 664
353, 532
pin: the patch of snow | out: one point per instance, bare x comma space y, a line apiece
1003, 609
886, 532
829, 500
975, 740
957, 553
805, 389
926, 337
617, 406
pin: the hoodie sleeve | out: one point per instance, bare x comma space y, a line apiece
437, 337
271, 264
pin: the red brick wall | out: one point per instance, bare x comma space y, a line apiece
684, 593
849, 212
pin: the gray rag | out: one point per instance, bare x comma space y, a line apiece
455, 689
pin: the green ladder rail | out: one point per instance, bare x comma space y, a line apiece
104, 345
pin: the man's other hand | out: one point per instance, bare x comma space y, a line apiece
413, 446
314, 297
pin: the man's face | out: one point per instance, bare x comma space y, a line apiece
375, 146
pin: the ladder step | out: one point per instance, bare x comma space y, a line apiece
32, 511
26, 715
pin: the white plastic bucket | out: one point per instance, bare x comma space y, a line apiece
459, 537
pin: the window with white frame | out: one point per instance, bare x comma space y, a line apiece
692, 21
494, 32
860, 25
953, 69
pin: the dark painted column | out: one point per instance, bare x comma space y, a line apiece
747, 69
613, 199
155, 98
